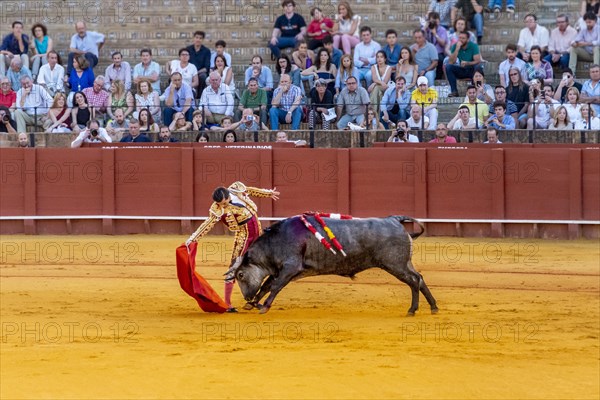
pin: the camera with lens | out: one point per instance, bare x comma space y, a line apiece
536, 93
432, 24
5, 119
94, 132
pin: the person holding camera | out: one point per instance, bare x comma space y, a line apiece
402, 134
248, 122
7, 124
91, 134
542, 105
437, 35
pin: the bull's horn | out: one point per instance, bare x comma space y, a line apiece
236, 264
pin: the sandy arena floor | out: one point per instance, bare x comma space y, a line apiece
104, 317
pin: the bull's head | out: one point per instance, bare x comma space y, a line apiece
250, 277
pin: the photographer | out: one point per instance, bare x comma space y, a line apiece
437, 35
7, 124
402, 134
542, 105
91, 134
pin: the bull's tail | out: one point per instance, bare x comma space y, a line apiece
413, 235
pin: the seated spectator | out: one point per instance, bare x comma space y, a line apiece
565, 84
255, 99
134, 133
559, 45
472, 11
321, 100
118, 70
51, 75
230, 136
147, 123
226, 125
248, 122
496, 6
322, 70
426, 97
179, 124
500, 119
147, 98
92, 133
537, 68
511, 107
31, 105
282, 136
7, 124
81, 76
395, 103
23, 140
441, 135
437, 35
561, 120
444, 9
407, 68
588, 119
416, 120
485, 92
225, 72
402, 134
120, 98
288, 30
165, 136
81, 113
345, 31
365, 55
352, 104
517, 91
17, 71
97, 98
335, 54
86, 44
286, 104
347, 69
532, 35
220, 46
492, 136
148, 70
372, 122
40, 46
460, 25
7, 95
381, 74
117, 127
586, 46
262, 74
512, 61
573, 105
59, 115
216, 101
178, 98
198, 121
426, 57
462, 120
202, 137
587, 6
283, 65
188, 71
303, 58
200, 56
542, 107
392, 49
477, 108
462, 63
319, 27
15, 45
590, 91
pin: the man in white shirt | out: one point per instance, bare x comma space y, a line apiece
120, 70
51, 75
492, 136
532, 35
402, 134
560, 42
462, 119
92, 134
216, 100
416, 119
364, 55
31, 106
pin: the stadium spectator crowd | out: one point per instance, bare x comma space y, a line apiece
337, 74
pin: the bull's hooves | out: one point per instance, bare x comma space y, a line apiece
434, 310
248, 306
264, 310
410, 314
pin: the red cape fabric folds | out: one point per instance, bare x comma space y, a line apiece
194, 284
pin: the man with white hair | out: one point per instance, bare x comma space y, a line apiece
86, 43
16, 71
97, 97
31, 106
216, 101
426, 97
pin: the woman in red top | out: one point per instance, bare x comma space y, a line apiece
318, 28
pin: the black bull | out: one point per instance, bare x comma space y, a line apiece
288, 251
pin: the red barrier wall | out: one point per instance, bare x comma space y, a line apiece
460, 182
